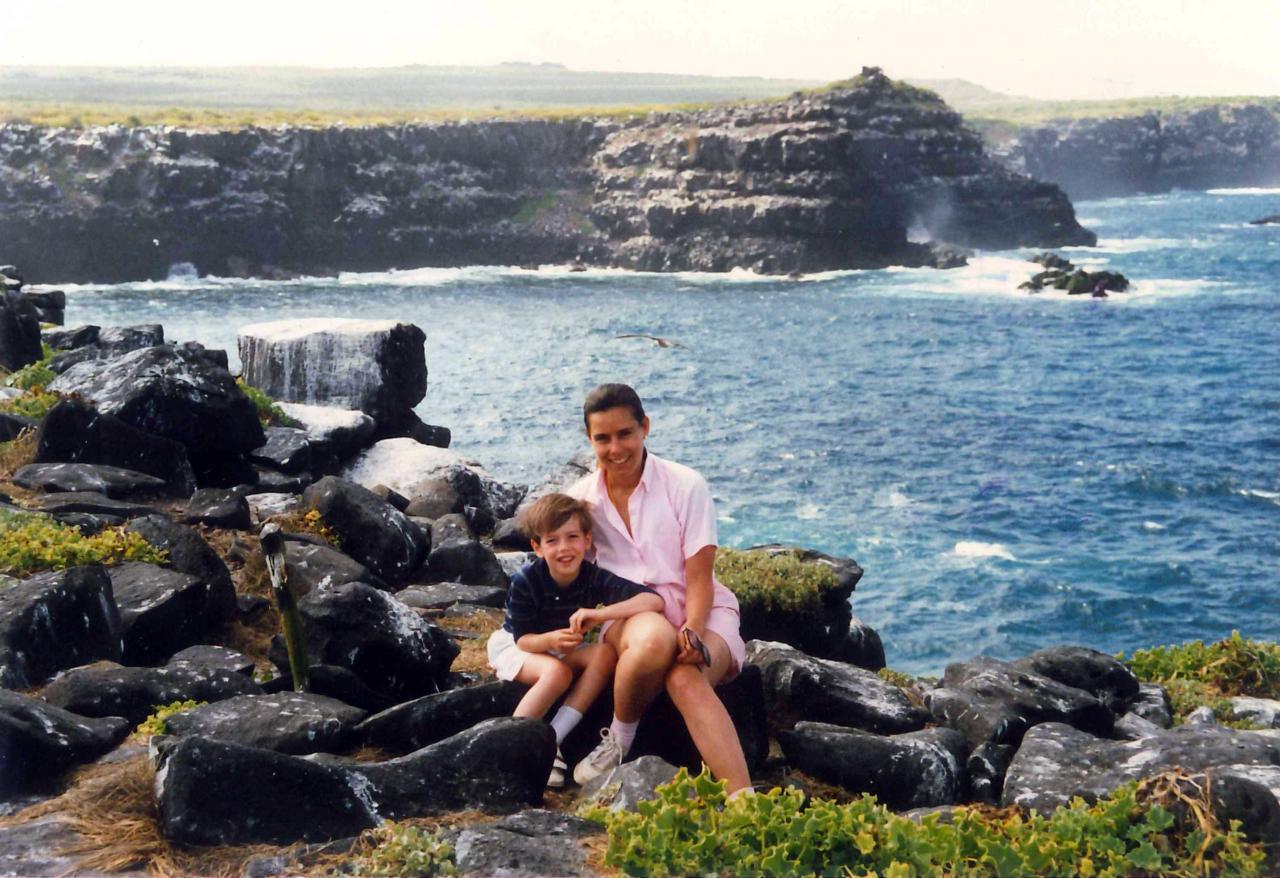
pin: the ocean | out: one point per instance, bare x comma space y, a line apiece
1013, 471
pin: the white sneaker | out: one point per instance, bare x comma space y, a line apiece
558, 768
606, 757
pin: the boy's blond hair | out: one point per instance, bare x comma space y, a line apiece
551, 512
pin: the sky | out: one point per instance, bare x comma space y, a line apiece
1080, 49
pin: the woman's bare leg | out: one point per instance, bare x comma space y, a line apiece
646, 645
691, 690
548, 678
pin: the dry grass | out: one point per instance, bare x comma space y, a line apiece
113, 808
474, 656
16, 454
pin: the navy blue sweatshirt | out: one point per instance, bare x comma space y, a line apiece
537, 604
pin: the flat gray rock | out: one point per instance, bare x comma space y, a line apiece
161, 610
621, 788
442, 595
287, 722
313, 566
112, 690
526, 845
93, 504
218, 657
112, 481
39, 740
424, 721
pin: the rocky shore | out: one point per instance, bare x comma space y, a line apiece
1221, 146
398, 553
867, 173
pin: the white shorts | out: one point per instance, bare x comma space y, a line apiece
507, 659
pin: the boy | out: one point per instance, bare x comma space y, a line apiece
551, 605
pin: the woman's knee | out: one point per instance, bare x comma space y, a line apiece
603, 657
650, 634
687, 682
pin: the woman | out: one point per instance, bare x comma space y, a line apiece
654, 523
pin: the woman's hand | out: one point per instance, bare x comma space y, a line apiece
584, 619
692, 650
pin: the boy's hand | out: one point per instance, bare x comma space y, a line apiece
564, 639
584, 620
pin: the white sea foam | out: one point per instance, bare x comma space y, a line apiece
975, 549
1259, 494
1152, 526
1247, 190
892, 498
809, 511
1134, 245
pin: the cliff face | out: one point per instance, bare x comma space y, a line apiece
836, 179
1218, 146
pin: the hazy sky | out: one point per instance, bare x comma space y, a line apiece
1088, 48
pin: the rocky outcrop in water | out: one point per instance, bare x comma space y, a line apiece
1219, 146
824, 180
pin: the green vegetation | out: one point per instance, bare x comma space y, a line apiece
155, 723
1196, 674
33, 375
691, 830
34, 543
401, 850
774, 582
269, 413
34, 403
534, 209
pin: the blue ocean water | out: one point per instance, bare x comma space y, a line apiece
1012, 471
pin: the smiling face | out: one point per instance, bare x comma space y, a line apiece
618, 441
563, 549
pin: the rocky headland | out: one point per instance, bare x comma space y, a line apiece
1215, 147
397, 553
867, 173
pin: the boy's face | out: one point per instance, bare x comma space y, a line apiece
563, 549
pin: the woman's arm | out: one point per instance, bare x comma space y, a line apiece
585, 619
697, 600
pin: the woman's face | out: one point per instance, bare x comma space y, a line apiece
618, 440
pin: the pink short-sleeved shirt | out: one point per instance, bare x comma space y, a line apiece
672, 517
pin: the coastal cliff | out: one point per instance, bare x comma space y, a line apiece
867, 173
1217, 146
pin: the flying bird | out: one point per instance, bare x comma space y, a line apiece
660, 342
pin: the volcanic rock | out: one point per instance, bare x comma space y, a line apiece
526, 845
424, 721
38, 740
218, 507
376, 533
161, 611
19, 331
55, 621
133, 693
287, 722
113, 481
189, 553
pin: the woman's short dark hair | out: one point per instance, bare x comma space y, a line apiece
612, 396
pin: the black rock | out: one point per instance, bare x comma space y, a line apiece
913, 770
87, 524
339, 432
529, 844
117, 340
218, 657
213, 793
286, 450
56, 621
986, 768
862, 646
1052, 260
498, 500
270, 481
75, 432
822, 632
322, 566
189, 553
632, 782
133, 693
36, 848
287, 722
992, 701
39, 740
1274, 219
12, 426
1057, 762
1152, 703
210, 792
218, 507
93, 504
373, 531
801, 687
434, 498
453, 527
19, 331
50, 305
113, 481
446, 594
334, 682
387, 644
424, 721
1105, 676
161, 611
395, 498
171, 393
1131, 727
508, 535
467, 561
70, 339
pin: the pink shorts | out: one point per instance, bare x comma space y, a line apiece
723, 620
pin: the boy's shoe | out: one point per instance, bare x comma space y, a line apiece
558, 768
606, 757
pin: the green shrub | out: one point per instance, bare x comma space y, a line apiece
1196, 674
34, 375
774, 582
690, 830
33, 543
269, 413
34, 403
155, 724
398, 849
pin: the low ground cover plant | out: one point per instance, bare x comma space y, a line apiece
157, 722
402, 850
35, 543
774, 582
690, 829
270, 414
1195, 673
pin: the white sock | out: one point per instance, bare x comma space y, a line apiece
623, 733
564, 721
